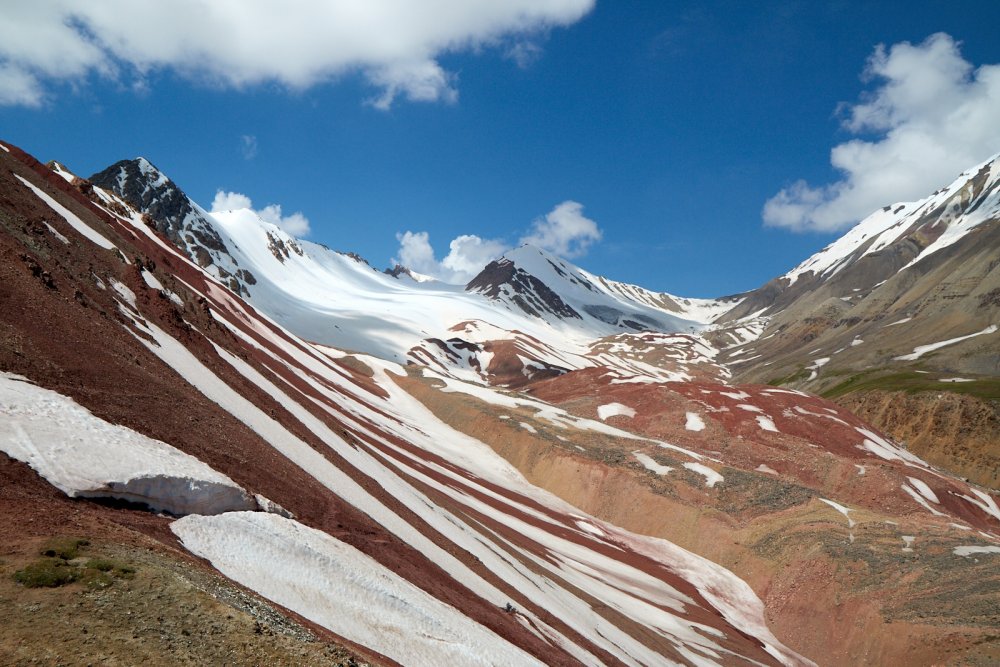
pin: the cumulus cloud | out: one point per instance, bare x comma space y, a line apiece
467, 255
230, 201
295, 224
563, 231
931, 116
393, 44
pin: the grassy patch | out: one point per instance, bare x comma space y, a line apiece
110, 566
59, 566
47, 573
912, 382
66, 548
800, 374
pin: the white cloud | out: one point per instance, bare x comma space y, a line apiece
932, 116
416, 253
17, 87
564, 231
248, 146
394, 44
230, 201
467, 255
296, 224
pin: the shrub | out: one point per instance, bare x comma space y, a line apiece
46, 573
66, 548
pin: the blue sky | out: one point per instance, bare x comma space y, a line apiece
669, 125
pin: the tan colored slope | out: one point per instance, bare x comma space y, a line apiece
839, 595
959, 433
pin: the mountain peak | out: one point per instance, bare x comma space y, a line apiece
148, 190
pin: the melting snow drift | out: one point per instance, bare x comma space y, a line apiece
87, 457
335, 585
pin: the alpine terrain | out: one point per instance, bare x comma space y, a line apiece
225, 445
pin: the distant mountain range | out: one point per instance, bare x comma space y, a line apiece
543, 466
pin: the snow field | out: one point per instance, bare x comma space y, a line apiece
335, 585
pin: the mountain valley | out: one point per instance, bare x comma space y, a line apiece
543, 466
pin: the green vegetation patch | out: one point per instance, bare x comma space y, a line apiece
47, 573
66, 548
912, 382
59, 566
800, 374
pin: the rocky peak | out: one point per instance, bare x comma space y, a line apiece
502, 280
172, 213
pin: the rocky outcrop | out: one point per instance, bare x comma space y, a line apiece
528, 292
958, 432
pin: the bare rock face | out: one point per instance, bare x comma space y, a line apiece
172, 213
143, 186
528, 292
957, 432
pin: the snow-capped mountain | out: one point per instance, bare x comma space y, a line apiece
883, 296
540, 284
891, 240
342, 446
171, 211
338, 299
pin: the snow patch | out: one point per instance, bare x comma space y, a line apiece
86, 457
76, 223
711, 477
972, 550
614, 410
55, 233
151, 280
649, 464
766, 468
840, 508
921, 350
917, 496
883, 449
766, 423
816, 365
694, 422
985, 503
924, 490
